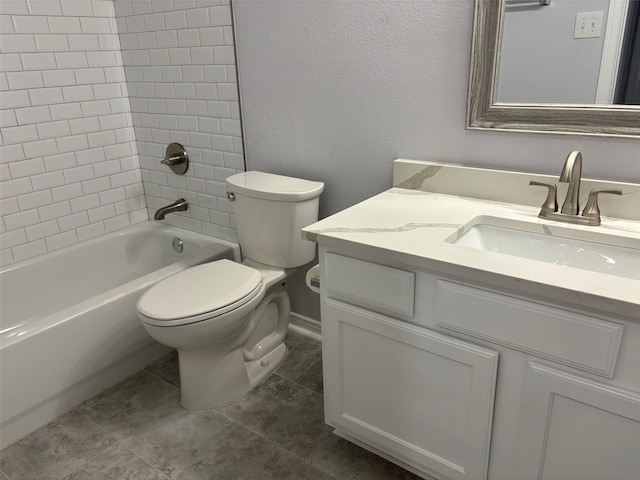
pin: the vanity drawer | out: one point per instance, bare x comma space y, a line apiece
369, 285
580, 341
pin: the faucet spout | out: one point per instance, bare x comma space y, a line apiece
179, 205
571, 174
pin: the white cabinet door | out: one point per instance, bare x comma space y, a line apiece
577, 429
423, 398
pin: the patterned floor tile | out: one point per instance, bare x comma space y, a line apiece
303, 352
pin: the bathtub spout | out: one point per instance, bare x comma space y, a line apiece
178, 206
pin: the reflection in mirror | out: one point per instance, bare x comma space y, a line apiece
533, 102
569, 52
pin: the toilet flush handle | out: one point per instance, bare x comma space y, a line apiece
231, 196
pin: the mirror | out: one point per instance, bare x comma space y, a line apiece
490, 107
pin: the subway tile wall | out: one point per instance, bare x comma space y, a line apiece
69, 168
179, 63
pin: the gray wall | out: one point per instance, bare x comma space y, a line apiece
541, 62
336, 90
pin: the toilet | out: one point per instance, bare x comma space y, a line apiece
228, 320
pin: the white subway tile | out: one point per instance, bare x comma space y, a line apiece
64, 25
162, 5
112, 122
159, 56
56, 129
55, 210
15, 187
10, 62
234, 160
95, 108
135, 23
103, 59
95, 185
197, 17
71, 59
106, 168
212, 36
154, 22
40, 149
179, 56
95, 25
135, 190
91, 156
59, 162
61, 240
38, 61
65, 110
47, 180
197, 107
189, 37
59, 78
26, 168
14, 7
175, 20
202, 55
196, 185
84, 125
209, 125
200, 140
46, 96
17, 43
116, 223
30, 24
224, 55
42, 230
86, 76
34, 199
211, 157
21, 219
185, 90
104, 8
220, 15
15, 99
13, 238
8, 206
156, 105
33, 115
112, 196
45, 7
142, 6
72, 143
128, 41
227, 91
78, 93
77, 8
147, 40
130, 163
8, 118
122, 179
71, 222
230, 126
29, 250
84, 42
105, 91
90, 231
206, 91
101, 213
78, 174
100, 139
67, 192
21, 134
167, 38
109, 42
115, 74
152, 74
52, 43
6, 24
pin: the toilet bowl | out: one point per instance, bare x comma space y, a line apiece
228, 320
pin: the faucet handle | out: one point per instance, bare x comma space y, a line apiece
551, 202
591, 209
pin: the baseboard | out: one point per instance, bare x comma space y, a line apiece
305, 326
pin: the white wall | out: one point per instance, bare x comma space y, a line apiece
68, 164
541, 62
180, 69
335, 90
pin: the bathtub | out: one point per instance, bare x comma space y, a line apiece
68, 324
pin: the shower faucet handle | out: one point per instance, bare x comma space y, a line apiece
176, 158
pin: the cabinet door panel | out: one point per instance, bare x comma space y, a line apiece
425, 398
575, 428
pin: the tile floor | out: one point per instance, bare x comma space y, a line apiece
138, 430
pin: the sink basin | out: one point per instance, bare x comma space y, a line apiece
597, 252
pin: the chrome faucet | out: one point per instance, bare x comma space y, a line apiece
570, 212
179, 205
571, 173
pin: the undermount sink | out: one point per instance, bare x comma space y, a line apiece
594, 251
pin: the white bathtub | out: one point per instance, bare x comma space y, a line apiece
68, 324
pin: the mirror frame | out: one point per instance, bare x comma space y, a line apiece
485, 113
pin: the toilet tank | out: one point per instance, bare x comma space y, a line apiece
270, 210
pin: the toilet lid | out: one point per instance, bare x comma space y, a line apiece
201, 289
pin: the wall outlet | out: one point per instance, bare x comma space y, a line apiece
588, 25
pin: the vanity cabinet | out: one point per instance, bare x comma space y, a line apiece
411, 373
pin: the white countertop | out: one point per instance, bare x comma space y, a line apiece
411, 228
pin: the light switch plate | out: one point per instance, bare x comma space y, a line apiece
588, 25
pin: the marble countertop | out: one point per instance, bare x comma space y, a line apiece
416, 229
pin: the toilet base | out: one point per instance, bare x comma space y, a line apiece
208, 381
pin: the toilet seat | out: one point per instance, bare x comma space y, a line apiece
214, 289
